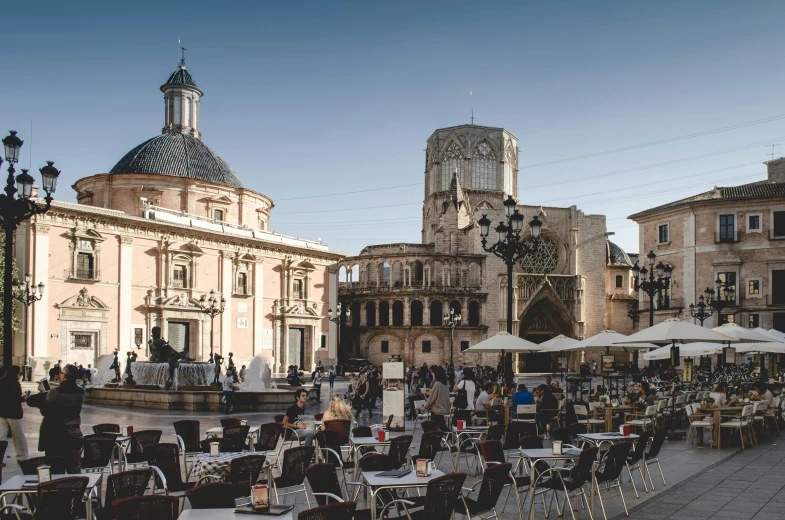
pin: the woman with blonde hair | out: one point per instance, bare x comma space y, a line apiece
338, 410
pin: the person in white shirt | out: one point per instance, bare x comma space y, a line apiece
467, 382
229, 386
764, 394
317, 383
720, 394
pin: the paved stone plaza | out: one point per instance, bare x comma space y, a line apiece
701, 482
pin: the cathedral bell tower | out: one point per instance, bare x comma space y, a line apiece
181, 101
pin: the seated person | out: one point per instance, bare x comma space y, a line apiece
762, 393
483, 404
338, 411
294, 418
522, 396
720, 394
509, 389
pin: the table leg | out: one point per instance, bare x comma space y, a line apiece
699, 437
608, 419
717, 436
373, 504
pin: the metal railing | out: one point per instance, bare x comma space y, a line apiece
83, 274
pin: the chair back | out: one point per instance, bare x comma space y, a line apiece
318, 416
596, 405
126, 484
461, 415
341, 427
442, 496
496, 432
651, 410
375, 462
527, 410
224, 445
160, 507
140, 441
238, 436
531, 442
362, 431
231, 421
613, 462
656, 444
107, 428
492, 451
295, 462
329, 439
428, 426
323, 478
98, 449
244, 472
661, 405
430, 445
334, 511
165, 457
640, 447
215, 495
30, 466
582, 471
269, 434
493, 481
561, 434
399, 449
60, 499
279, 418
680, 399
580, 412
190, 432
756, 406
516, 430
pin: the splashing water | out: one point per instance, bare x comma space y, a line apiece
103, 374
186, 374
257, 375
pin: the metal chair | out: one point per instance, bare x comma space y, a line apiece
139, 442
696, 421
495, 478
188, 435
609, 472
237, 436
442, 496
59, 499
147, 506
214, 495
652, 456
107, 428
334, 511
164, 460
323, 480
295, 461
644, 421
97, 453
634, 461
121, 485
568, 480
30, 466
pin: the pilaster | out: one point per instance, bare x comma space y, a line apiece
124, 299
258, 307
40, 271
226, 292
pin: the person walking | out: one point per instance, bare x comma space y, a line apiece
361, 397
60, 434
317, 384
294, 417
331, 373
465, 388
11, 399
228, 393
439, 400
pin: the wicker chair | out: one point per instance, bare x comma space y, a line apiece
30, 466
60, 499
189, 433
295, 462
214, 495
231, 421
139, 442
335, 511
125, 484
107, 428
146, 507
224, 445
98, 451
442, 496
238, 436
323, 479
164, 459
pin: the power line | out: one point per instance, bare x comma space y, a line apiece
654, 143
651, 166
351, 192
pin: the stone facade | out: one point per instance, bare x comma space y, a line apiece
561, 289
735, 233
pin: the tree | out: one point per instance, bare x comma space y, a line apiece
15, 303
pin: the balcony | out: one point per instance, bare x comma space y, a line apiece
360, 288
82, 274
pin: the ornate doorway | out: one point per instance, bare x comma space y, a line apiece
543, 319
537, 330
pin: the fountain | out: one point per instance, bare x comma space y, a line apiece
257, 375
103, 371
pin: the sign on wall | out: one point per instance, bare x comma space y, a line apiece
242, 323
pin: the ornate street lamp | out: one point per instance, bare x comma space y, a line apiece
652, 283
212, 306
16, 206
634, 314
700, 311
451, 321
511, 246
27, 294
726, 296
335, 317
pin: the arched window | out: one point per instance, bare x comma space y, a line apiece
455, 306
484, 167
370, 314
384, 314
436, 313
509, 170
187, 115
619, 281
418, 273
452, 160
384, 273
397, 313
416, 310
355, 314
474, 313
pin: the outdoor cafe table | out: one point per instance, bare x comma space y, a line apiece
409, 481
359, 442
716, 412
597, 439
219, 465
545, 454
218, 431
621, 410
225, 514
476, 432
14, 486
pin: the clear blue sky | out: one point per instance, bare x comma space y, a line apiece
313, 98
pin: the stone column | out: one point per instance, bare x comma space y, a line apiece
225, 343
124, 301
39, 312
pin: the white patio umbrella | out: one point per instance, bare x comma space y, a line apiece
505, 342
688, 350
672, 331
777, 334
775, 347
559, 343
605, 341
732, 330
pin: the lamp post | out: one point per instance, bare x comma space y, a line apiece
335, 317
634, 315
726, 296
28, 295
212, 306
16, 206
451, 320
511, 246
655, 283
700, 311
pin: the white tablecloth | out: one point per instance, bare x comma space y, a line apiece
219, 465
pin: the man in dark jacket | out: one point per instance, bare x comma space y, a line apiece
60, 433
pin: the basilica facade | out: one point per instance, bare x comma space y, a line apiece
149, 242
398, 295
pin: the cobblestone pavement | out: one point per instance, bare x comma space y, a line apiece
680, 464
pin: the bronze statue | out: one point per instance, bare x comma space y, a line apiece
230, 364
160, 349
129, 377
217, 359
116, 366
